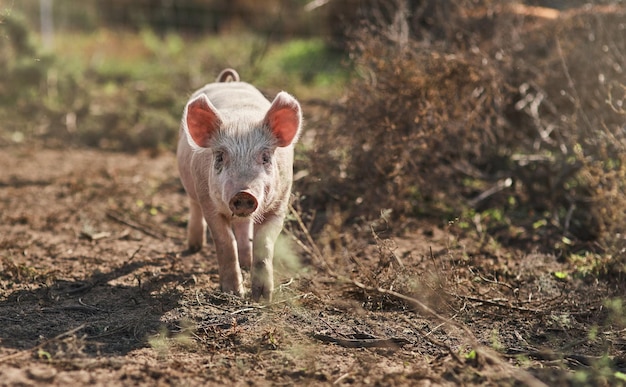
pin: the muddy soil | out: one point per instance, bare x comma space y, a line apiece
95, 290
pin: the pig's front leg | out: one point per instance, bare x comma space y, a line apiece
262, 272
243, 234
226, 249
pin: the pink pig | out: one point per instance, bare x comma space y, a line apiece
235, 158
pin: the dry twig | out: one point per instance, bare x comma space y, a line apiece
434, 341
121, 219
393, 342
501, 305
310, 247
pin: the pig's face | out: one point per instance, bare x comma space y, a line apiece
243, 171
240, 157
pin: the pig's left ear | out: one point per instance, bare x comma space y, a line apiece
284, 119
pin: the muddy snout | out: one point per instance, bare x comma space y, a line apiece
243, 204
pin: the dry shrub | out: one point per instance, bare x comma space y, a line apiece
411, 123
570, 77
419, 116
436, 118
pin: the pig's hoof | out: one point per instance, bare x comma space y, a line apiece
245, 263
236, 291
192, 249
262, 292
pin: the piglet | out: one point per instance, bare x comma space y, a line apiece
235, 158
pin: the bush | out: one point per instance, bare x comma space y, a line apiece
412, 123
569, 80
502, 109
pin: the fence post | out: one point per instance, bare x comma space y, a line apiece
47, 26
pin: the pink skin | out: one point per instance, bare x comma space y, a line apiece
235, 157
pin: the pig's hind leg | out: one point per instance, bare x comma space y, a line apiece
196, 228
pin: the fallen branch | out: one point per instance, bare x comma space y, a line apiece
549, 355
394, 342
119, 218
482, 351
501, 305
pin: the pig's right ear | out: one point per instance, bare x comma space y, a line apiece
201, 121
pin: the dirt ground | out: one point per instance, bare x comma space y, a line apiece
95, 290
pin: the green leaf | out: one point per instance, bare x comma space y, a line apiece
41, 354
620, 376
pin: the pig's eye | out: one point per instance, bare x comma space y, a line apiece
219, 160
266, 157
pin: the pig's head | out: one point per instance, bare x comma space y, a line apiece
242, 163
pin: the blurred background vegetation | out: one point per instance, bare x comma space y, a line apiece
503, 118
116, 74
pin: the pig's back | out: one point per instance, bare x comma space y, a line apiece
228, 96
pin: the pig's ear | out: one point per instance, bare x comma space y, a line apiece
284, 119
202, 121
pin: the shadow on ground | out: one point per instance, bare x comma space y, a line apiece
100, 318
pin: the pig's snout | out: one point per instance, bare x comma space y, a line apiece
243, 204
